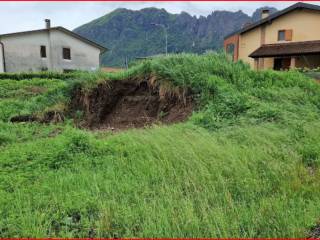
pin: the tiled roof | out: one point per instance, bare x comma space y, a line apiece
287, 49
299, 5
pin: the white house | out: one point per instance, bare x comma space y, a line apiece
52, 49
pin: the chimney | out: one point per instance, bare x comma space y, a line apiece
48, 23
265, 13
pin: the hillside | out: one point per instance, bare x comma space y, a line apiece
243, 164
129, 33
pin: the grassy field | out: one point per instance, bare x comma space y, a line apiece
246, 163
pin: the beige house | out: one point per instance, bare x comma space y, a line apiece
52, 48
286, 39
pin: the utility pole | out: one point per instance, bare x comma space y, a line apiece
165, 34
126, 63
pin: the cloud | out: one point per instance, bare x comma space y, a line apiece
20, 16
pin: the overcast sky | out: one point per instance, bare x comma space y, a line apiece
20, 16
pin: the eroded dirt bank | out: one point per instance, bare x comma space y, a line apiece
131, 103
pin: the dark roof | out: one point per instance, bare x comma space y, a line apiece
287, 49
62, 29
299, 5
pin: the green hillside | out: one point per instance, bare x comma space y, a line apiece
130, 34
244, 164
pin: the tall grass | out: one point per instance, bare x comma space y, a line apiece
246, 164
176, 181
31, 96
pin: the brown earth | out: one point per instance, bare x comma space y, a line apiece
131, 103
48, 117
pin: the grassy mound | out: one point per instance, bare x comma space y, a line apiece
245, 164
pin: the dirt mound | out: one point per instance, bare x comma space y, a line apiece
131, 103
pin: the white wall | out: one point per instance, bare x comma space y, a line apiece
83, 55
22, 52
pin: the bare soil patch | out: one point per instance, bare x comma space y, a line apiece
48, 117
131, 103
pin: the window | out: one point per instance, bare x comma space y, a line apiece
281, 35
66, 53
43, 52
285, 35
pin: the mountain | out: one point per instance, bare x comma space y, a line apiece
130, 34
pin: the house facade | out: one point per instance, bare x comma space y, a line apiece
286, 39
49, 49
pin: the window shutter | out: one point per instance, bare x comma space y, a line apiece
288, 35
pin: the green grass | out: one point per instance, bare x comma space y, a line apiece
246, 164
31, 96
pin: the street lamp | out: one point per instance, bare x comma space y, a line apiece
165, 33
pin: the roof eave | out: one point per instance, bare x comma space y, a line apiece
283, 55
102, 48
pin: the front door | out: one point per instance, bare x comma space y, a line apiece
281, 63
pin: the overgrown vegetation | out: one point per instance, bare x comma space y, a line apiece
246, 164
